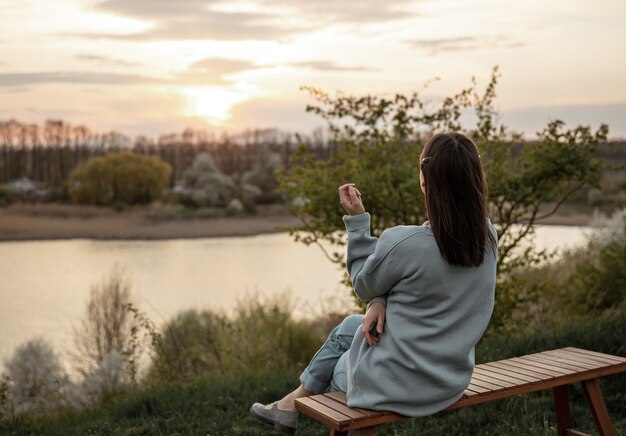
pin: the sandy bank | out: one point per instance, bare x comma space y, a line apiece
32, 222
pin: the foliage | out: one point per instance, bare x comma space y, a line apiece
376, 144
262, 175
218, 404
119, 179
205, 185
599, 283
588, 279
6, 196
105, 354
33, 380
259, 335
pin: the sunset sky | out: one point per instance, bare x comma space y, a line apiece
158, 66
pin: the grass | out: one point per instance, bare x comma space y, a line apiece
219, 405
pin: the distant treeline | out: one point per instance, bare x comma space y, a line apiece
50, 152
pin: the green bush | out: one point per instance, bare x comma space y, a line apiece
588, 279
5, 195
259, 335
119, 179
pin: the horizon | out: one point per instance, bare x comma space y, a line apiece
155, 67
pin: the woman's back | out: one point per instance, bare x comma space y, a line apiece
436, 313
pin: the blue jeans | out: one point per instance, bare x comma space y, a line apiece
327, 369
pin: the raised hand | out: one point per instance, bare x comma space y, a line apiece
350, 199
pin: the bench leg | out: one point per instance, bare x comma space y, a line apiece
561, 405
338, 433
597, 406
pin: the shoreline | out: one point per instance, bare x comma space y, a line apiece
44, 222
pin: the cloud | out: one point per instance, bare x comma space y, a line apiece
213, 70
106, 60
434, 46
348, 11
192, 20
330, 66
204, 20
21, 79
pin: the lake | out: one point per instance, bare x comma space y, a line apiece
44, 285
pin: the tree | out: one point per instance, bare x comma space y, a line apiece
35, 378
119, 179
377, 142
105, 353
205, 185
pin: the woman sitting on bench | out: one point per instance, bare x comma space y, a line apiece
430, 290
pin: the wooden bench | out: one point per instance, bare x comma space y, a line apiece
554, 369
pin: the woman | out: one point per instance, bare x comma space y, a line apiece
430, 290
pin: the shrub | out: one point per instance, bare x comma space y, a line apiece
119, 179
106, 355
589, 279
259, 335
34, 380
6, 197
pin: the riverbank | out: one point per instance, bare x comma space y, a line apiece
21, 222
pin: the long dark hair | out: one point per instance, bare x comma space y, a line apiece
456, 198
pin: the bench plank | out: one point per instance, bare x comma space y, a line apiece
342, 408
496, 368
515, 371
579, 360
581, 357
558, 371
559, 363
496, 378
540, 372
595, 353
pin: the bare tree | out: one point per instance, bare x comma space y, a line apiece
104, 334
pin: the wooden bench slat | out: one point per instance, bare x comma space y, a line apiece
580, 358
585, 357
341, 398
477, 388
469, 393
555, 369
323, 413
509, 373
584, 362
580, 363
485, 384
618, 359
491, 380
496, 377
342, 408
560, 363
508, 367
540, 372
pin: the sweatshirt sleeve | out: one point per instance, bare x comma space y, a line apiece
370, 261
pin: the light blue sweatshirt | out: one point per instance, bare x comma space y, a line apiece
435, 315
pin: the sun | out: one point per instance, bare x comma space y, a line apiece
212, 102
